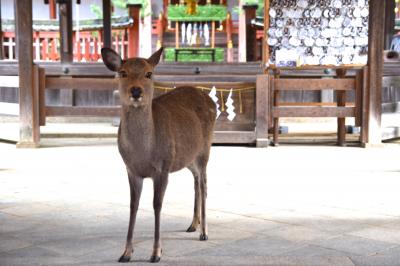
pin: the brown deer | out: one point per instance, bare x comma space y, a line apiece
159, 136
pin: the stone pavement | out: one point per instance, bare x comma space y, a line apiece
289, 205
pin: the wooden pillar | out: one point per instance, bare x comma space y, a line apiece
265, 45
52, 9
341, 101
133, 31
65, 17
213, 34
372, 110
160, 31
251, 41
107, 23
242, 33
229, 42
29, 134
1, 37
66, 46
390, 17
176, 34
262, 110
247, 38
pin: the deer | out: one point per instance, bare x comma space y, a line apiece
161, 136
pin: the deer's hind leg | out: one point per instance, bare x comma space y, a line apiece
199, 170
203, 193
197, 198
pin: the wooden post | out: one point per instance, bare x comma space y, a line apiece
133, 32
29, 133
373, 104
213, 34
229, 26
251, 44
65, 17
341, 121
52, 9
66, 45
262, 110
1, 37
242, 33
265, 45
177, 34
107, 23
160, 31
389, 23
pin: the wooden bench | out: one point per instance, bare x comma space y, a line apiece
340, 84
194, 51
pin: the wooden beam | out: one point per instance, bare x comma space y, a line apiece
375, 68
28, 90
313, 112
315, 84
107, 23
81, 83
133, 31
108, 111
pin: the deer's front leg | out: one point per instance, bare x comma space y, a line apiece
136, 184
160, 185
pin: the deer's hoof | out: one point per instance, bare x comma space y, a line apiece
203, 237
124, 258
155, 259
191, 229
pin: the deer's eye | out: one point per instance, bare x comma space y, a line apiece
148, 75
122, 74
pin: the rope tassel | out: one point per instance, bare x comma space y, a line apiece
222, 102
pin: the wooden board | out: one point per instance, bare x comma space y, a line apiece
313, 112
315, 84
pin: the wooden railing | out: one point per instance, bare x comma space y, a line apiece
87, 46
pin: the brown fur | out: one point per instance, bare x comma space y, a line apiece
159, 136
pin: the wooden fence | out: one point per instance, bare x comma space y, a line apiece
87, 45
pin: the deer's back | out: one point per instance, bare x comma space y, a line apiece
184, 122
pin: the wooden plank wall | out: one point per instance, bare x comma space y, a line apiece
233, 72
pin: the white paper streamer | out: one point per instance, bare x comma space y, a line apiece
213, 96
230, 108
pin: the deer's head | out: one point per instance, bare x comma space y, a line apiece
135, 76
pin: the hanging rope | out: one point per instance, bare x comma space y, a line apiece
221, 92
208, 89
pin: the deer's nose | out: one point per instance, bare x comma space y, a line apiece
136, 92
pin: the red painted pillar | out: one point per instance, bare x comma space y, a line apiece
229, 28
133, 31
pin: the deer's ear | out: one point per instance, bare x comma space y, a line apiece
155, 58
111, 59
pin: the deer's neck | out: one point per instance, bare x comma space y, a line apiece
137, 129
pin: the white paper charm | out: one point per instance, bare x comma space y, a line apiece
213, 96
230, 109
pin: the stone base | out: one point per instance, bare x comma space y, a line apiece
262, 143
372, 145
27, 145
